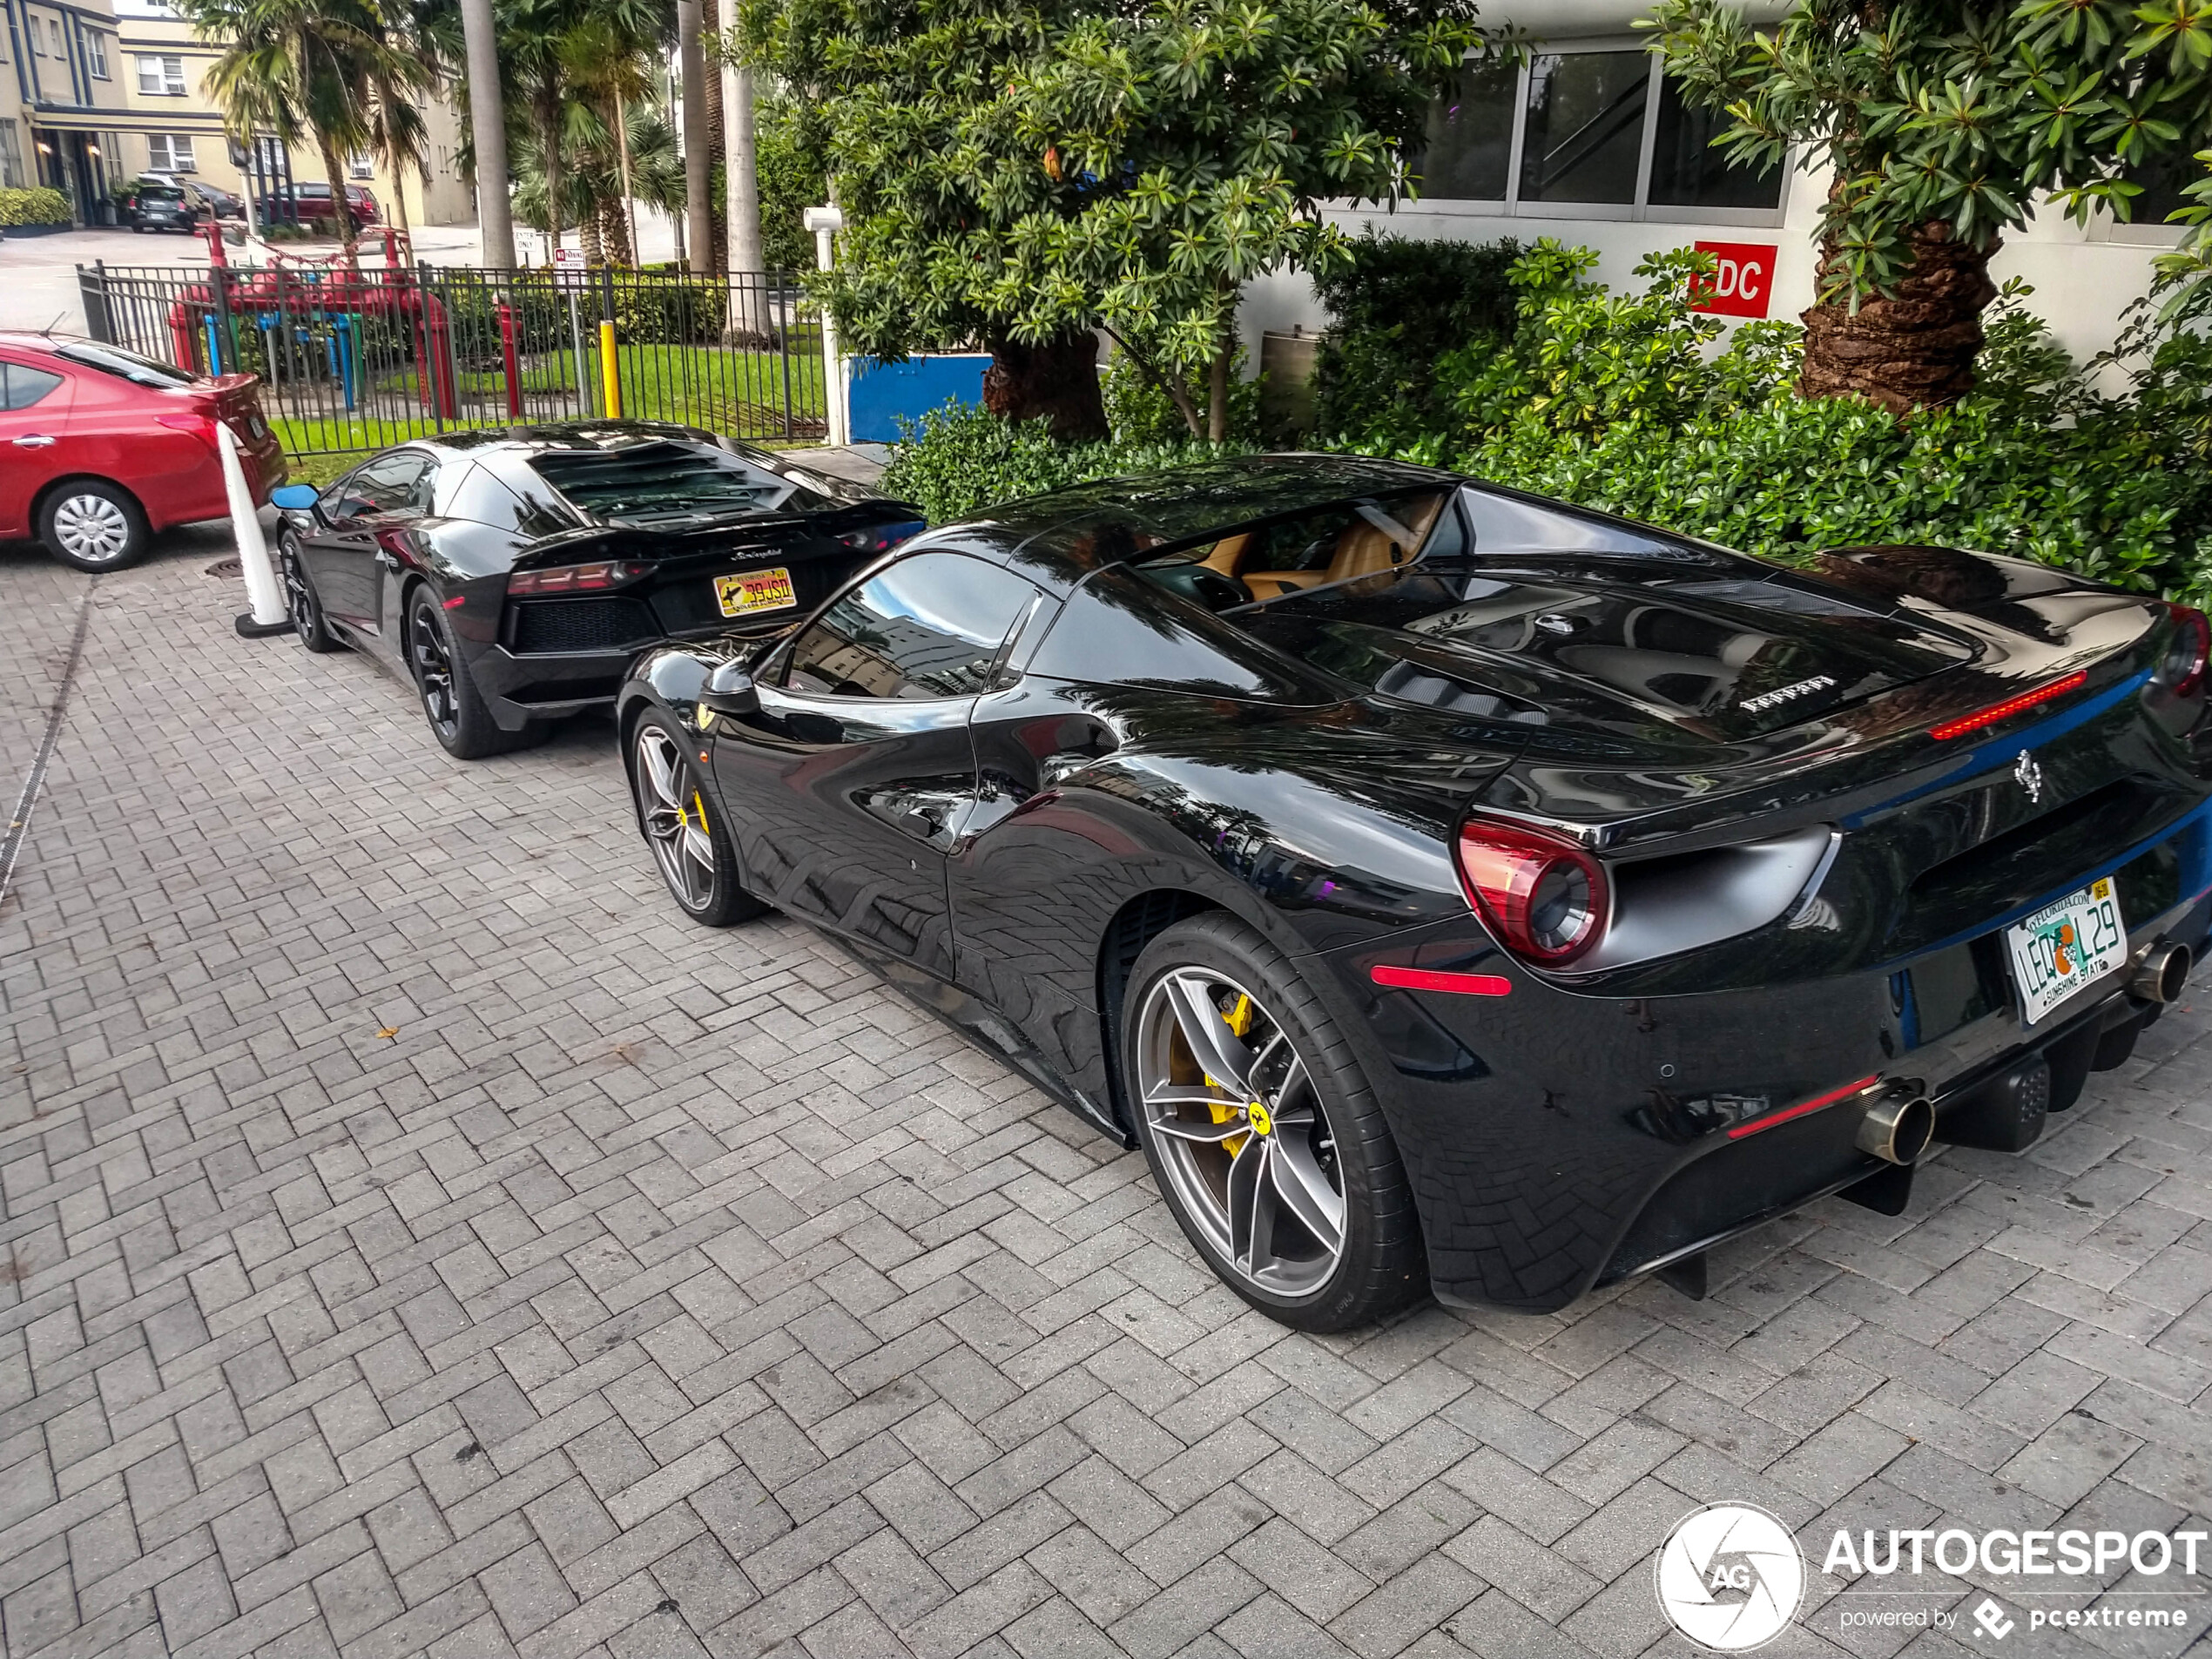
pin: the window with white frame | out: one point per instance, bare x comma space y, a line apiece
1585, 132
170, 153
360, 166
54, 28
161, 77
37, 42
96, 53
11, 172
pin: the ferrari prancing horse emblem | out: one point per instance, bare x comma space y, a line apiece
2029, 776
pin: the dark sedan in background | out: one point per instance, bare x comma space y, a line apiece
1450, 887
511, 575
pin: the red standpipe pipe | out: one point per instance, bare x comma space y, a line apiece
512, 358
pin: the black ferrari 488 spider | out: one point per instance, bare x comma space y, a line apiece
1449, 887
511, 575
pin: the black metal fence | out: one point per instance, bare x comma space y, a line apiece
353, 359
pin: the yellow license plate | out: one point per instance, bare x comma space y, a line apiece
752, 592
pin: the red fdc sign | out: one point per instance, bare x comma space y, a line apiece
1740, 285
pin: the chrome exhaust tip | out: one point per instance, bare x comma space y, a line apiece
2159, 971
1897, 1130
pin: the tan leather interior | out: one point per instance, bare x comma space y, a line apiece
1268, 584
1226, 552
1364, 549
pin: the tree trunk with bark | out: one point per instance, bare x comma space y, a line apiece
1915, 350
1057, 381
614, 235
1217, 387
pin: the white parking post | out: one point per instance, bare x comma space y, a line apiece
267, 614
826, 222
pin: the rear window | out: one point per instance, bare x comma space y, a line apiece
123, 365
160, 193
671, 481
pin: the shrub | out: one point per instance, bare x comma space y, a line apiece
37, 206
962, 459
1622, 402
1397, 308
1614, 402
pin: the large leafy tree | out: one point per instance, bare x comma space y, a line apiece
1946, 123
1020, 172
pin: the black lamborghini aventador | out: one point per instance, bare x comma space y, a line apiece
511, 575
1449, 887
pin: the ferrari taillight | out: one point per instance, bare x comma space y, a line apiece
2182, 670
1543, 895
577, 579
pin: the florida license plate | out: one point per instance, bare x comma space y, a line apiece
750, 592
2065, 946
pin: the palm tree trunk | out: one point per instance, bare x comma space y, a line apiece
751, 323
595, 249
717, 207
341, 209
488, 123
629, 189
548, 123
698, 215
1911, 349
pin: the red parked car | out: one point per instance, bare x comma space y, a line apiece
100, 448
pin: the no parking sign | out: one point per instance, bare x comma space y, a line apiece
1740, 285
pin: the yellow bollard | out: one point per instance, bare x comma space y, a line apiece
609, 371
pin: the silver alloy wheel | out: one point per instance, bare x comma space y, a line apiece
91, 527
675, 809
1240, 1130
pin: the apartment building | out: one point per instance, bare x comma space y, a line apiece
1588, 142
61, 103
177, 126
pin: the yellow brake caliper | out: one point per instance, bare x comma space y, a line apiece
1239, 1020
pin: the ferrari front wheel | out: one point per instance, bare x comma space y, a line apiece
691, 845
1262, 1133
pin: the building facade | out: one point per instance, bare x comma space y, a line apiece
61, 103
1589, 144
95, 92
177, 127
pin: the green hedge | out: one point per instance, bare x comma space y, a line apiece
1623, 402
36, 206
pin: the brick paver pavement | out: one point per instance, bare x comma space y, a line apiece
418, 1239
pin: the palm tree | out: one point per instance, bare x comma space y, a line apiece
301, 68
590, 181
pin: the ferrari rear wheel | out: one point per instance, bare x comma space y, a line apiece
691, 845
1262, 1133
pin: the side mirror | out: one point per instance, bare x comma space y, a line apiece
729, 690
295, 498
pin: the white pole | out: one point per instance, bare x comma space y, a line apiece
268, 614
826, 222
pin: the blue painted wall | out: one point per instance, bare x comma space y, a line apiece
882, 393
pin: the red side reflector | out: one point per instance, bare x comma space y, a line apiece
1801, 1108
1422, 979
456, 602
2010, 707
